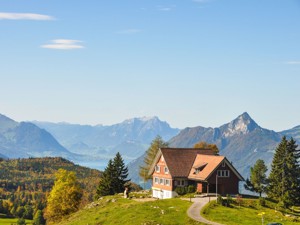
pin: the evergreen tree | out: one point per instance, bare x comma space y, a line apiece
285, 172
258, 179
105, 186
157, 143
64, 197
113, 178
121, 172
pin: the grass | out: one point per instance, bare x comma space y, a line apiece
247, 214
116, 210
8, 221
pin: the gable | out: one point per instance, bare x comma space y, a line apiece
205, 165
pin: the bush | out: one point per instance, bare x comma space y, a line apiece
228, 200
191, 189
220, 200
181, 190
262, 202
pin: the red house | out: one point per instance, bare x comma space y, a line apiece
180, 167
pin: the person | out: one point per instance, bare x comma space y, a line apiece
126, 192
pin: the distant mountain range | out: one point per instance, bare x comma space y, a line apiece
23, 140
242, 141
131, 138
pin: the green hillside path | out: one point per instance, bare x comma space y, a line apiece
194, 210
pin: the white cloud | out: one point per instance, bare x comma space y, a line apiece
129, 31
64, 44
24, 16
166, 8
293, 62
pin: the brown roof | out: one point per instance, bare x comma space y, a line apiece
180, 160
211, 161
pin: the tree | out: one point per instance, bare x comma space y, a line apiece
64, 197
113, 178
156, 144
258, 179
21, 221
121, 172
38, 218
205, 145
285, 172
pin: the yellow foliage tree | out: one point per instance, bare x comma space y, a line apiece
205, 145
64, 197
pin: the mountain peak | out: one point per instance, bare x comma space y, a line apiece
243, 124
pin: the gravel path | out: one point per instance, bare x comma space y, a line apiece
194, 210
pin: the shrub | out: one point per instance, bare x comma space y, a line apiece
181, 190
228, 200
262, 202
220, 200
191, 189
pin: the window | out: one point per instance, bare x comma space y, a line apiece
167, 182
175, 183
161, 181
156, 180
223, 173
166, 170
182, 182
157, 169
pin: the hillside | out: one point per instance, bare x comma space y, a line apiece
23, 140
30, 180
114, 210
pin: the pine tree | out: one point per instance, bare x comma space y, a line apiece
113, 178
157, 143
105, 186
258, 179
285, 172
64, 197
121, 172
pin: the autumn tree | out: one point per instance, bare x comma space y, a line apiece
284, 179
64, 197
38, 218
258, 178
150, 154
205, 145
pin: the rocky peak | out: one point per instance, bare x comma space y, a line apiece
243, 124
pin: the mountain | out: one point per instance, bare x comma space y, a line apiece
131, 137
23, 140
242, 141
294, 132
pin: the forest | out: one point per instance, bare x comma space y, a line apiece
25, 184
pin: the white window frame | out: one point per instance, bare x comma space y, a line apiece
223, 173
166, 170
161, 181
157, 169
156, 180
167, 182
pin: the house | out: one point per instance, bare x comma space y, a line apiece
202, 168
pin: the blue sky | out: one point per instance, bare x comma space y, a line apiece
189, 62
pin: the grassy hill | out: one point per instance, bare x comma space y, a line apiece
116, 210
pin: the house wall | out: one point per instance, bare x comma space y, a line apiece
162, 175
226, 185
